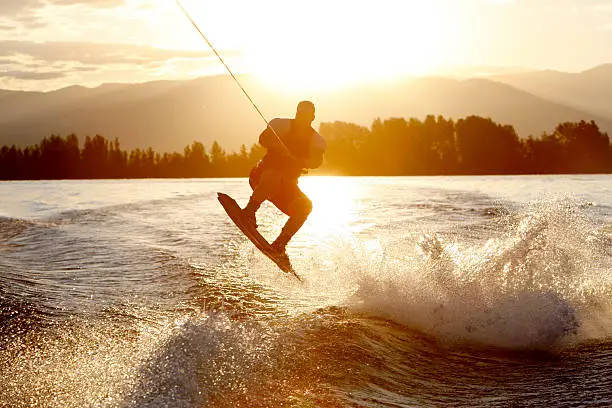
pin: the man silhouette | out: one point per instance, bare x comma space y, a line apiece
292, 147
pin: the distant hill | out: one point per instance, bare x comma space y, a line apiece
168, 115
165, 115
529, 114
590, 90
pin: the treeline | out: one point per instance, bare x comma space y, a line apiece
396, 146
473, 145
63, 158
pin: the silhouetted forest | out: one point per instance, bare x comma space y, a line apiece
98, 158
473, 145
396, 146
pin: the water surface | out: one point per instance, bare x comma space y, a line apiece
433, 291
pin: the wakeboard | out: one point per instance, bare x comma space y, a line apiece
235, 213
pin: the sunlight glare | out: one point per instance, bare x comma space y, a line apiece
341, 43
322, 45
334, 205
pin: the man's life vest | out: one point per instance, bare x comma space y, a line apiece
302, 143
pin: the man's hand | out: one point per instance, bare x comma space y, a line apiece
292, 160
301, 163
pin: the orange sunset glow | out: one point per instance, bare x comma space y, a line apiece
305, 203
316, 45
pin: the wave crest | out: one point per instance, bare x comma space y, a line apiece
540, 282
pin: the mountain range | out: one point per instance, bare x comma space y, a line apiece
590, 90
168, 115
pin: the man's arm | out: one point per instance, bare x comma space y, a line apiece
314, 160
271, 141
317, 150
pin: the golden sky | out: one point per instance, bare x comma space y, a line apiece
47, 44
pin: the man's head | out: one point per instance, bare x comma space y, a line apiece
305, 113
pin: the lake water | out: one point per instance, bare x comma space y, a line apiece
428, 292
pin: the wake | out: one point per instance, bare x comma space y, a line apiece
542, 283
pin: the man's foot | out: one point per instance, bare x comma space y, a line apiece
281, 249
283, 258
249, 218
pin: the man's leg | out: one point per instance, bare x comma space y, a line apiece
299, 210
263, 189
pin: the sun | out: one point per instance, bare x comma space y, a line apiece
340, 43
320, 44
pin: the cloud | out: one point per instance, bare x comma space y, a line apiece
32, 14
15, 7
67, 63
93, 53
90, 3
36, 72
85, 69
18, 7
32, 76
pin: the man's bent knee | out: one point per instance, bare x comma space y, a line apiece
301, 208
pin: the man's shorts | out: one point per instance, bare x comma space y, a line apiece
286, 194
